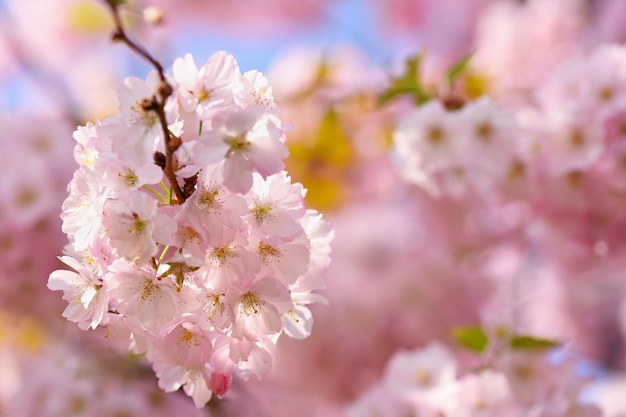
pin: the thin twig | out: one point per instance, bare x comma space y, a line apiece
120, 36
157, 104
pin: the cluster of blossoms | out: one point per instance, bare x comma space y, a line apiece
203, 275
562, 157
558, 161
430, 382
445, 151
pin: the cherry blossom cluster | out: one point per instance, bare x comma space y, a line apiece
430, 381
573, 136
445, 151
555, 165
582, 109
187, 237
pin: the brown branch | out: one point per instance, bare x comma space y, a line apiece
157, 104
120, 36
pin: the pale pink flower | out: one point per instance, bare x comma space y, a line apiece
147, 301
256, 91
214, 310
285, 261
248, 141
135, 228
259, 307
212, 213
253, 358
136, 132
89, 143
298, 321
82, 210
182, 358
486, 393
209, 88
603, 79
274, 207
120, 176
88, 302
422, 369
491, 142
575, 144
321, 234
229, 266
529, 374
427, 141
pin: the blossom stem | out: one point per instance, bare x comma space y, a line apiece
165, 250
158, 100
156, 193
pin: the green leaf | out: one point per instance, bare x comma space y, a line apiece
458, 68
523, 342
409, 83
471, 337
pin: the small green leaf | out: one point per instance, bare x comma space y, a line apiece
471, 337
458, 68
523, 342
409, 83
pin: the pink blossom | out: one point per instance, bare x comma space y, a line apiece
88, 301
248, 141
146, 301
182, 359
213, 212
230, 265
136, 132
259, 308
135, 228
209, 88
83, 208
274, 207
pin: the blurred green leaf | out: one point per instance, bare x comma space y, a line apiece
471, 337
522, 342
409, 83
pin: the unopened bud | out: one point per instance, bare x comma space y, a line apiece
190, 185
165, 90
153, 15
159, 159
453, 102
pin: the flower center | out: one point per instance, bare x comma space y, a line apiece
251, 304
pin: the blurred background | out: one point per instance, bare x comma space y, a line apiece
537, 251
